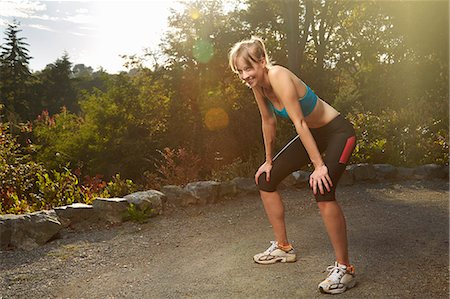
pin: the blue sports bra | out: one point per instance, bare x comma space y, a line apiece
307, 102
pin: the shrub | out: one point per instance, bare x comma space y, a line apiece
399, 138
135, 214
177, 167
18, 173
27, 186
119, 187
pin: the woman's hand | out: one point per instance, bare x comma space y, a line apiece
266, 167
320, 178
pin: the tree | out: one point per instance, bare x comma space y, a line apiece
82, 71
14, 73
56, 87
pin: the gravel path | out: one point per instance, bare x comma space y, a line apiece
398, 233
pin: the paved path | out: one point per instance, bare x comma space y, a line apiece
398, 235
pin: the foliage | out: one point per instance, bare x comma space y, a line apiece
55, 87
238, 168
58, 188
119, 131
135, 214
396, 138
119, 187
18, 190
177, 167
15, 76
124, 125
27, 186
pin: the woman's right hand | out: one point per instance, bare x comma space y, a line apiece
266, 167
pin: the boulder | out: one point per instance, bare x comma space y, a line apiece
245, 185
430, 171
177, 196
110, 210
405, 173
445, 170
150, 199
204, 191
227, 189
77, 215
28, 231
362, 171
385, 171
301, 178
347, 177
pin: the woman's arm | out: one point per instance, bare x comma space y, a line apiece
268, 124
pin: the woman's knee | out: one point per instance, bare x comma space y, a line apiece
264, 185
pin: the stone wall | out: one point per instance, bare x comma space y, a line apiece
29, 231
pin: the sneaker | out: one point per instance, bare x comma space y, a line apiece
340, 278
274, 254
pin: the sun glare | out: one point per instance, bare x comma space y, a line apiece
137, 25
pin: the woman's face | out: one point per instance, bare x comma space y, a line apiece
251, 74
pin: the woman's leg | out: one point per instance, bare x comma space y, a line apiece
291, 158
274, 208
334, 221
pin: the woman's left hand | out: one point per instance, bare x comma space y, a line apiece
320, 178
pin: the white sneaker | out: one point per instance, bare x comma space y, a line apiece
274, 254
340, 278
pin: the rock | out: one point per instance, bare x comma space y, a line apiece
245, 185
385, 171
405, 173
28, 231
6, 230
445, 170
301, 178
178, 196
150, 199
204, 191
347, 177
77, 215
362, 171
227, 189
111, 210
430, 171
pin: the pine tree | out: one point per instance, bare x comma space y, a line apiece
57, 88
14, 72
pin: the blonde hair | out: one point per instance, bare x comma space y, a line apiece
251, 50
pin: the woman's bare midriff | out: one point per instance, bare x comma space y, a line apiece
322, 114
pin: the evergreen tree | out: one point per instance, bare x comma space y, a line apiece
14, 73
57, 88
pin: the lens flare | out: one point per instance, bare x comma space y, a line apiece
203, 51
216, 119
194, 13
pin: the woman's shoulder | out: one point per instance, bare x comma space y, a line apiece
278, 70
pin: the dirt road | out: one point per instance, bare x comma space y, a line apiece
398, 233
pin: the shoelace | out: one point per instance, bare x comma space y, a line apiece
271, 248
335, 273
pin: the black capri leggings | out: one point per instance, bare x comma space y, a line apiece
336, 141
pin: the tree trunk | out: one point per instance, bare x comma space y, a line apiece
309, 14
292, 10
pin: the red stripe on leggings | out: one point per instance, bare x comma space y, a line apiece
348, 149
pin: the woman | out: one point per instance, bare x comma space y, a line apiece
320, 129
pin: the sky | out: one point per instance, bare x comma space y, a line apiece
94, 33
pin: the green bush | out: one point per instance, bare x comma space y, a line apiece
58, 189
133, 213
399, 138
119, 187
27, 186
18, 188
